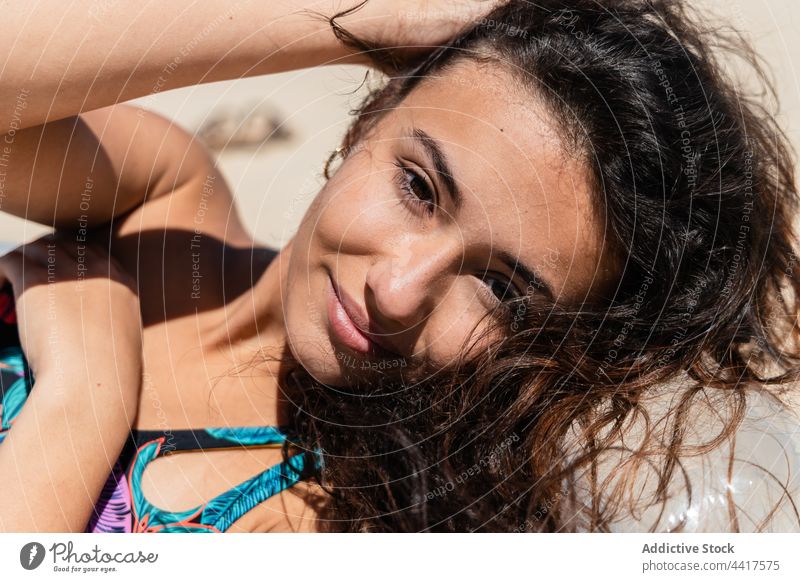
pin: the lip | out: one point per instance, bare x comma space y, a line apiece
350, 324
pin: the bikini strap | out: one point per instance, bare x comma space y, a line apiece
213, 438
222, 511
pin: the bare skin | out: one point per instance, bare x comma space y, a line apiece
425, 281
427, 300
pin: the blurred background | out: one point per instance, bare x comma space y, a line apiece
271, 135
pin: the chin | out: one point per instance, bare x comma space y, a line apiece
318, 365
309, 343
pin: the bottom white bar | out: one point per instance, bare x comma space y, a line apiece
400, 557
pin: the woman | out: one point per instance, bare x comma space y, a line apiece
549, 287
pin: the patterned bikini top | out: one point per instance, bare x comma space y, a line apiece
122, 507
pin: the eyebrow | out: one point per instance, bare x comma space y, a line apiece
440, 164
442, 167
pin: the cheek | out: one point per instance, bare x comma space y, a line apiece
354, 207
298, 289
446, 342
455, 324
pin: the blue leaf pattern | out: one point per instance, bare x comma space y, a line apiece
248, 435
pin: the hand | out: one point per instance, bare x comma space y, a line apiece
77, 312
418, 25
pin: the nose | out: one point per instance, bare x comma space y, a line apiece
405, 285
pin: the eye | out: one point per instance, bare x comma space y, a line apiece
503, 289
417, 192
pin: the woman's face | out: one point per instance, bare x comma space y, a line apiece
461, 198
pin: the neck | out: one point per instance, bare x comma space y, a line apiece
254, 321
259, 314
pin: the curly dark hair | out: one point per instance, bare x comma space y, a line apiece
695, 181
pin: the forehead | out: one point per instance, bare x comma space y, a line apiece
522, 189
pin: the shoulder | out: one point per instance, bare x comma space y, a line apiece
188, 192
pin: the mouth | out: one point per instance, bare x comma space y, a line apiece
343, 313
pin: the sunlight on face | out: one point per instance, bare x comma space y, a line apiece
461, 198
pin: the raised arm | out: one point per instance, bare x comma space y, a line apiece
65, 58
66, 61
70, 157
70, 57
